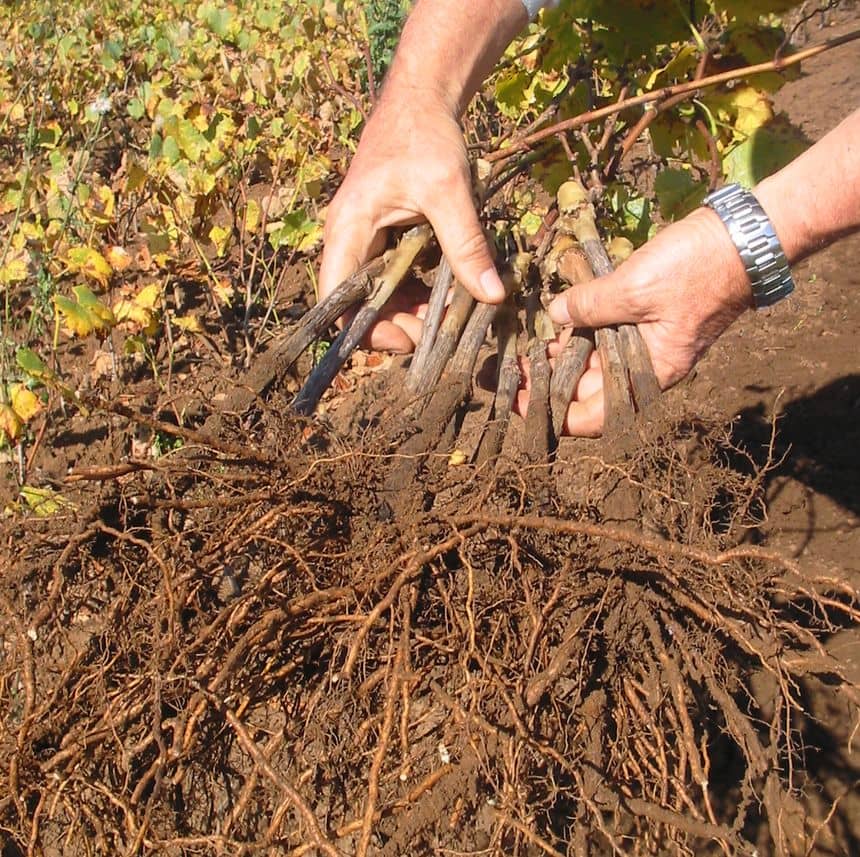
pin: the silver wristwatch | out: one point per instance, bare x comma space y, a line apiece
756, 241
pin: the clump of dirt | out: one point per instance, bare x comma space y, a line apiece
241, 649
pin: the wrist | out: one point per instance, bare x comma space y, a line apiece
789, 218
447, 49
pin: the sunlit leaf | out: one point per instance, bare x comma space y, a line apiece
188, 323
765, 151
142, 309
10, 423
45, 502
24, 402
118, 258
84, 315
251, 220
220, 237
90, 263
15, 268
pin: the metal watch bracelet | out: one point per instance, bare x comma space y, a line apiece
756, 242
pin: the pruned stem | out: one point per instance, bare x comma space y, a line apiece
569, 368
435, 311
441, 407
270, 371
572, 267
446, 340
538, 427
628, 376
397, 264
507, 384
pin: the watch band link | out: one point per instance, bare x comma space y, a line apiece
756, 242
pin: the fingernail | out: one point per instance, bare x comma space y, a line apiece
492, 286
558, 311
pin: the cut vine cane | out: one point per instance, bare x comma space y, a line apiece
397, 263
567, 261
629, 383
507, 384
442, 281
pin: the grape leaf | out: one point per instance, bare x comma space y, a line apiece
24, 402
90, 263
10, 423
765, 151
678, 193
752, 10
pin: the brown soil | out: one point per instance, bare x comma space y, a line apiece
263, 642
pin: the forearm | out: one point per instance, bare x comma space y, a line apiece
816, 198
448, 47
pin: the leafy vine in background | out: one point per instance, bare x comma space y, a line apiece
587, 54
384, 23
149, 147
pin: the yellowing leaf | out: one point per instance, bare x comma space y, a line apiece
118, 258
224, 292
753, 109
44, 502
149, 296
219, 236
76, 319
102, 313
102, 206
188, 323
128, 310
86, 314
90, 263
252, 216
15, 268
456, 458
24, 402
10, 423
142, 309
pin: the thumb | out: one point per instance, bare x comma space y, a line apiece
597, 303
462, 241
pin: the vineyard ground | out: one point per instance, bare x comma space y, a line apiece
797, 361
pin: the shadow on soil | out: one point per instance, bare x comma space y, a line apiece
817, 440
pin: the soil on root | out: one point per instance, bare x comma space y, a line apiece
231, 654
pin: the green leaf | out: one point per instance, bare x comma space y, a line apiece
765, 151
678, 193
31, 364
295, 230
136, 108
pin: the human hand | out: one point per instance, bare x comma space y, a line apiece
682, 289
410, 166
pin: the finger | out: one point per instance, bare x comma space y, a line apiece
385, 335
597, 303
585, 418
462, 240
590, 383
346, 249
411, 325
